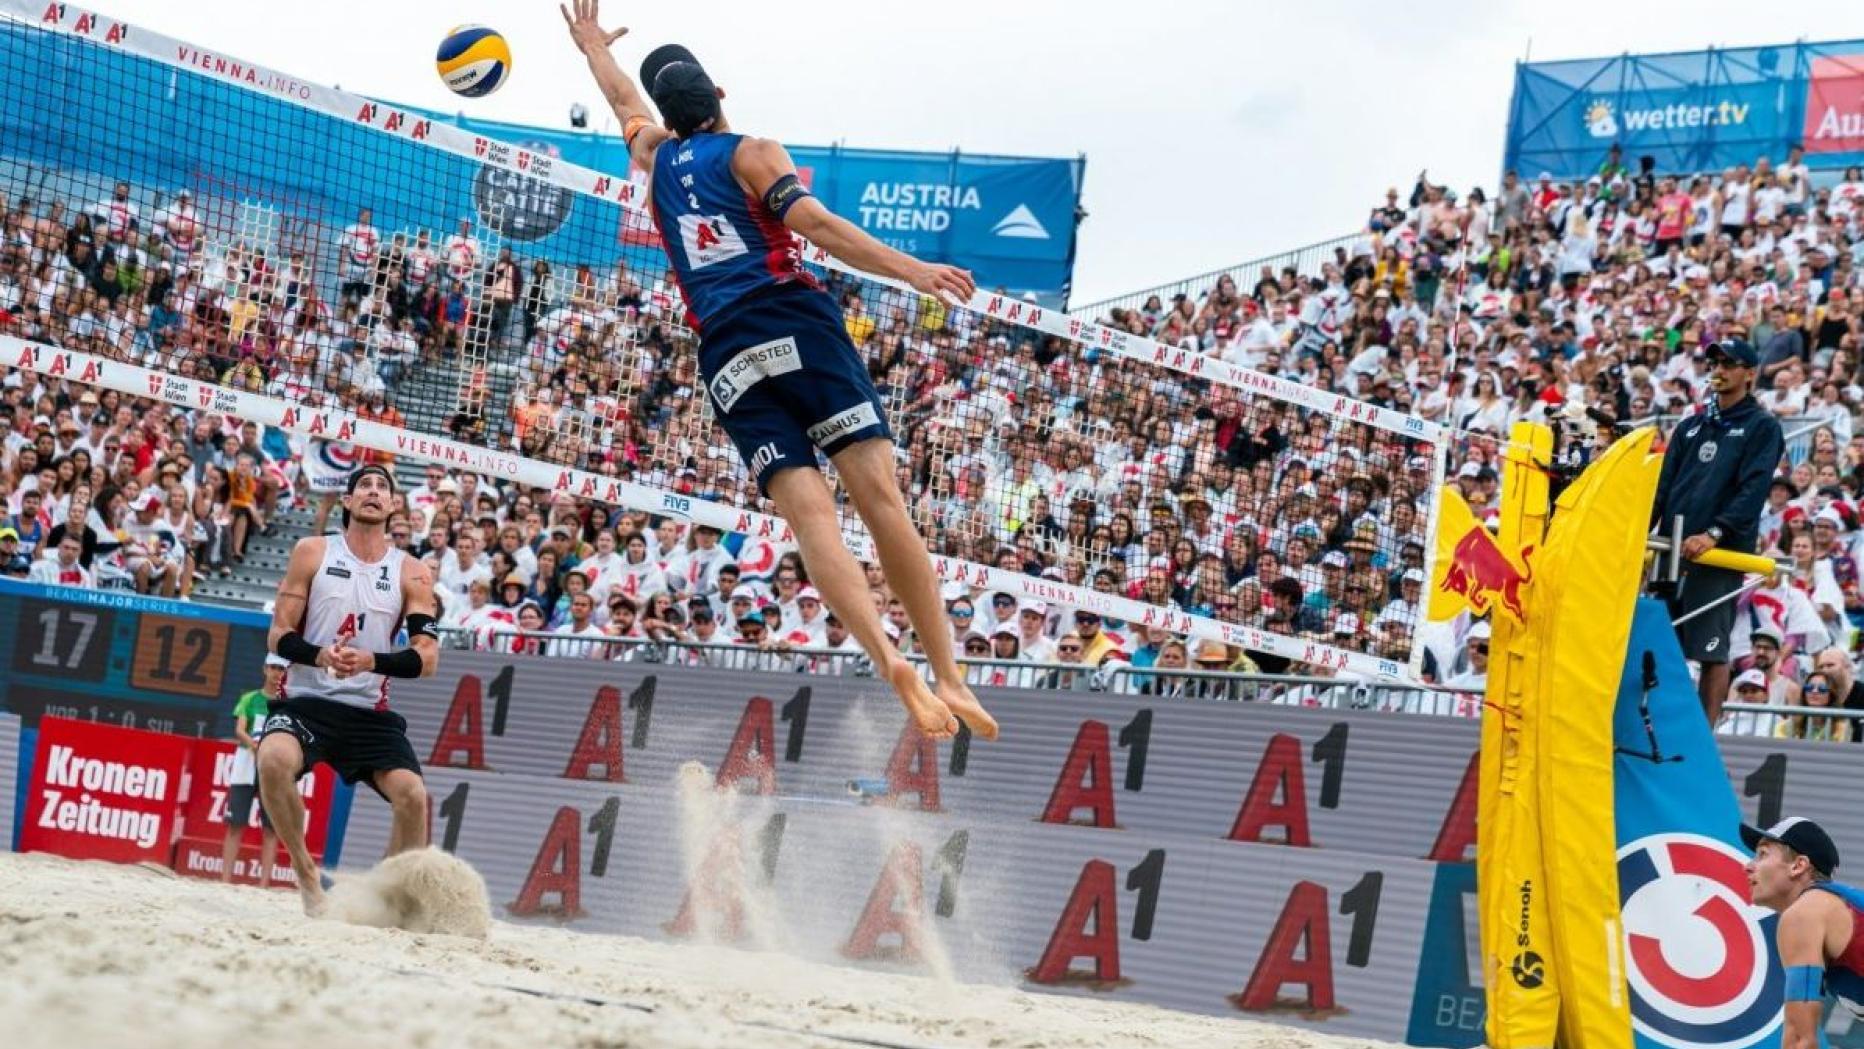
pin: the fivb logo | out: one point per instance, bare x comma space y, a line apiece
1697, 952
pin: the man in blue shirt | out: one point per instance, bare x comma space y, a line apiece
1716, 472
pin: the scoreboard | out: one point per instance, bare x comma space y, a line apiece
126, 659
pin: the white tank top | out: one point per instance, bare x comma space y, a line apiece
361, 598
1735, 204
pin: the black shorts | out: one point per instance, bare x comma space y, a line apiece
242, 799
356, 742
785, 379
1705, 638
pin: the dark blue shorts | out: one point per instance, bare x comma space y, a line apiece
785, 379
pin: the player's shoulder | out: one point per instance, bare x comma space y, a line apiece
310, 546
1814, 906
415, 570
752, 149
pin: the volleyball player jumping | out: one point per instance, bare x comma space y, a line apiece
778, 364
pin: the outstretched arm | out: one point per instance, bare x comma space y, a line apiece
637, 120
764, 169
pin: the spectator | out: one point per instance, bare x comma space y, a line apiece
1818, 696
1847, 690
15, 563
1750, 686
571, 640
63, 568
1475, 676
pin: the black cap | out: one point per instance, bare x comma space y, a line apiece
1736, 350
1802, 836
680, 87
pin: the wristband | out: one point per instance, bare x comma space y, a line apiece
293, 647
403, 663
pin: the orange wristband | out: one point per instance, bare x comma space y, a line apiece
633, 127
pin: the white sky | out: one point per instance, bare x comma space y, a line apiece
1214, 132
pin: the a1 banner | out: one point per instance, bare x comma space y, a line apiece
204, 811
104, 793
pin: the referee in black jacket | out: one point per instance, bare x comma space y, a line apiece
1716, 471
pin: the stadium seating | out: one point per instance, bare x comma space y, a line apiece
1584, 304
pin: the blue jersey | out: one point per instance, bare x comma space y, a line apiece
723, 243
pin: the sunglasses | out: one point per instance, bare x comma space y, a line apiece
1817, 689
961, 613
1068, 648
1483, 648
974, 647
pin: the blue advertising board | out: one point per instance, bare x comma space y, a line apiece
1010, 220
79, 117
1689, 111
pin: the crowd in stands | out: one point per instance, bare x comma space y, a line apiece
1586, 303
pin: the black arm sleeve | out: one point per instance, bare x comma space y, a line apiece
293, 647
402, 663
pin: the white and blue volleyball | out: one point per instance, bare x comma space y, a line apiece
473, 60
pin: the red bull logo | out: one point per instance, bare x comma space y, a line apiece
1480, 573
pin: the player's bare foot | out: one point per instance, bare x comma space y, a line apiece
928, 712
963, 703
311, 892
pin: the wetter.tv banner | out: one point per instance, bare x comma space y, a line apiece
1689, 111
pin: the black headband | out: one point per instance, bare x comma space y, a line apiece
372, 468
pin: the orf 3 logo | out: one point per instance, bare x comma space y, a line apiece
1698, 954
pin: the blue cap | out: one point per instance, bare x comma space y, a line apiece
1736, 350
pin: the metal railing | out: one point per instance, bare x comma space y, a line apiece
1306, 260
1118, 678
1788, 721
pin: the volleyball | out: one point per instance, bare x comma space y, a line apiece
473, 60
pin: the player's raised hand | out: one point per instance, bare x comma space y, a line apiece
585, 28
949, 283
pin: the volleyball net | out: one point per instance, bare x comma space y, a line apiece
185, 225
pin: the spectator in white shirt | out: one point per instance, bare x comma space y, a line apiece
463, 564
463, 253
1031, 632
1750, 686
572, 637
116, 214
809, 630
62, 568
357, 252
1475, 677
423, 496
